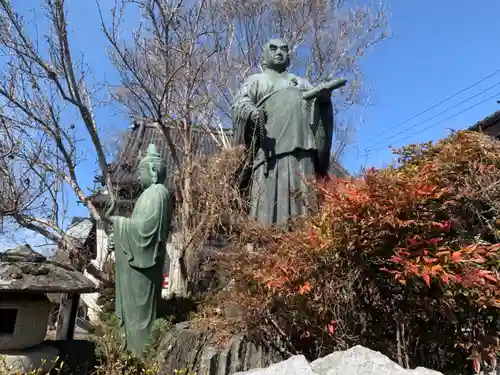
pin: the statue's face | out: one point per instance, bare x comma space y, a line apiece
145, 175
276, 55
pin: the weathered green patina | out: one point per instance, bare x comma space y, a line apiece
139, 243
288, 135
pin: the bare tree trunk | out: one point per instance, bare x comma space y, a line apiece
177, 282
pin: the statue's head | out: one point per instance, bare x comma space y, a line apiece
152, 169
275, 55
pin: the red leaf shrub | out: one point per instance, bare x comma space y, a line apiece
403, 260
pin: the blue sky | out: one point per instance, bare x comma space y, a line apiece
438, 48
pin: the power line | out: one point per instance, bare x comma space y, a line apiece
432, 117
437, 104
441, 121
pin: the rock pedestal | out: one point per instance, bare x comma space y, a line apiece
41, 357
189, 349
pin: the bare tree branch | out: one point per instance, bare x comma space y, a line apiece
40, 95
185, 60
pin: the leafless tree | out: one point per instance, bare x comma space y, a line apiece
182, 64
46, 107
180, 67
7, 152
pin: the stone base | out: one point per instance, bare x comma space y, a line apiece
78, 356
41, 357
186, 348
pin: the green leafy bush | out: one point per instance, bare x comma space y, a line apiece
114, 359
403, 260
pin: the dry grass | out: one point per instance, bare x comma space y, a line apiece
213, 207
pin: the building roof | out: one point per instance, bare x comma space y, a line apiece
82, 232
123, 170
142, 133
490, 125
80, 228
24, 270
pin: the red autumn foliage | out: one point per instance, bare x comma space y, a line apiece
404, 260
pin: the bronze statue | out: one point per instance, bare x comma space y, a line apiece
287, 128
139, 243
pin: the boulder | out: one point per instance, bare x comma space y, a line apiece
355, 361
185, 348
295, 365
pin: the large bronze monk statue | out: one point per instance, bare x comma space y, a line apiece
287, 128
139, 243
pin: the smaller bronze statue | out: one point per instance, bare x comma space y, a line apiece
139, 243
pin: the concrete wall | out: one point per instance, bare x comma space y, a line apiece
90, 300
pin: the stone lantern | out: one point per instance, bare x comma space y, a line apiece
25, 278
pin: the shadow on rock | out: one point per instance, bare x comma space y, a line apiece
178, 308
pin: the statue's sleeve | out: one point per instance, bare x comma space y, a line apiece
243, 105
324, 136
324, 132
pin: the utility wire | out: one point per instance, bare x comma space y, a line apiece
368, 149
437, 104
441, 121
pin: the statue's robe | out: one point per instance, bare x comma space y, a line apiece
140, 251
298, 144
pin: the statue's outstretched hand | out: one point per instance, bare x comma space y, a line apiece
111, 244
106, 216
110, 247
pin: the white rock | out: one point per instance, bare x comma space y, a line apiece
362, 361
296, 365
355, 361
